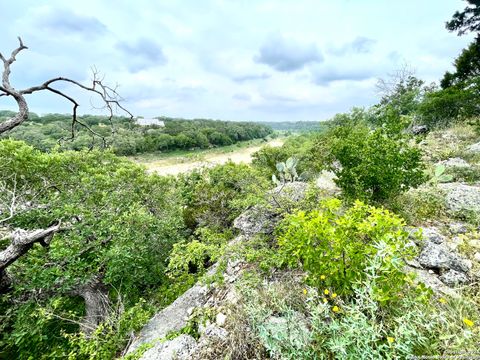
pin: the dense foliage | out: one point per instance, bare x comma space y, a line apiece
335, 248
120, 227
128, 138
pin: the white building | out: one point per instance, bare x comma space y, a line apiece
147, 121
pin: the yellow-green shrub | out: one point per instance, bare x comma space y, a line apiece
335, 246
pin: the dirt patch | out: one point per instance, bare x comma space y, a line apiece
165, 167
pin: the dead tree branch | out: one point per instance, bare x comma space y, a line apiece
108, 95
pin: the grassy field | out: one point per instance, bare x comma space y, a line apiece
176, 162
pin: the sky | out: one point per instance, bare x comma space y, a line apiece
251, 60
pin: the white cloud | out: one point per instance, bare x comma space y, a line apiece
219, 59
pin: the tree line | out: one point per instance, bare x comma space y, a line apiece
127, 137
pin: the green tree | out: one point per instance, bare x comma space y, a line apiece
467, 20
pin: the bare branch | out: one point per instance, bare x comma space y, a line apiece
23, 240
109, 96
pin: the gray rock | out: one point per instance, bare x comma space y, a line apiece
433, 235
455, 242
476, 257
457, 228
256, 220
419, 129
326, 183
454, 162
454, 278
461, 197
179, 348
213, 331
440, 257
431, 281
172, 318
262, 219
474, 148
288, 192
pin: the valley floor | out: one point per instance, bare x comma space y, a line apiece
185, 162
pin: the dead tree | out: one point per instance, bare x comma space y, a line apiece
108, 95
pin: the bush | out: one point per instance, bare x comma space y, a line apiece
334, 247
216, 196
443, 107
375, 165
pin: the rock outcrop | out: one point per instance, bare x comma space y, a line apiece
260, 219
461, 197
438, 265
454, 163
474, 148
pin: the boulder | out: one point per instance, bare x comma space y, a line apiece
326, 183
474, 148
461, 197
454, 163
439, 257
256, 220
457, 228
419, 129
262, 218
432, 281
433, 235
454, 278
179, 348
172, 318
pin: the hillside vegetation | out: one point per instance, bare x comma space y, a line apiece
360, 241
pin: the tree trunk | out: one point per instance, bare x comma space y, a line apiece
97, 304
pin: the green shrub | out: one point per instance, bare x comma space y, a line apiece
196, 256
375, 165
444, 107
334, 247
215, 196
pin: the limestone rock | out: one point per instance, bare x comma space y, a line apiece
476, 257
256, 220
433, 235
457, 228
431, 281
474, 243
454, 163
461, 197
419, 129
454, 278
440, 257
326, 183
172, 318
262, 219
178, 349
474, 148
288, 192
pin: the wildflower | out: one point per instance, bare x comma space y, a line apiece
305, 291
335, 309
442, 301
468, 322
322, 277
325, 300
334, 295
326, 292
390, 339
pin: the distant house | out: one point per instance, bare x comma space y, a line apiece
147, 122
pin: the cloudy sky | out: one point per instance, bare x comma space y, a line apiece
267, 60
